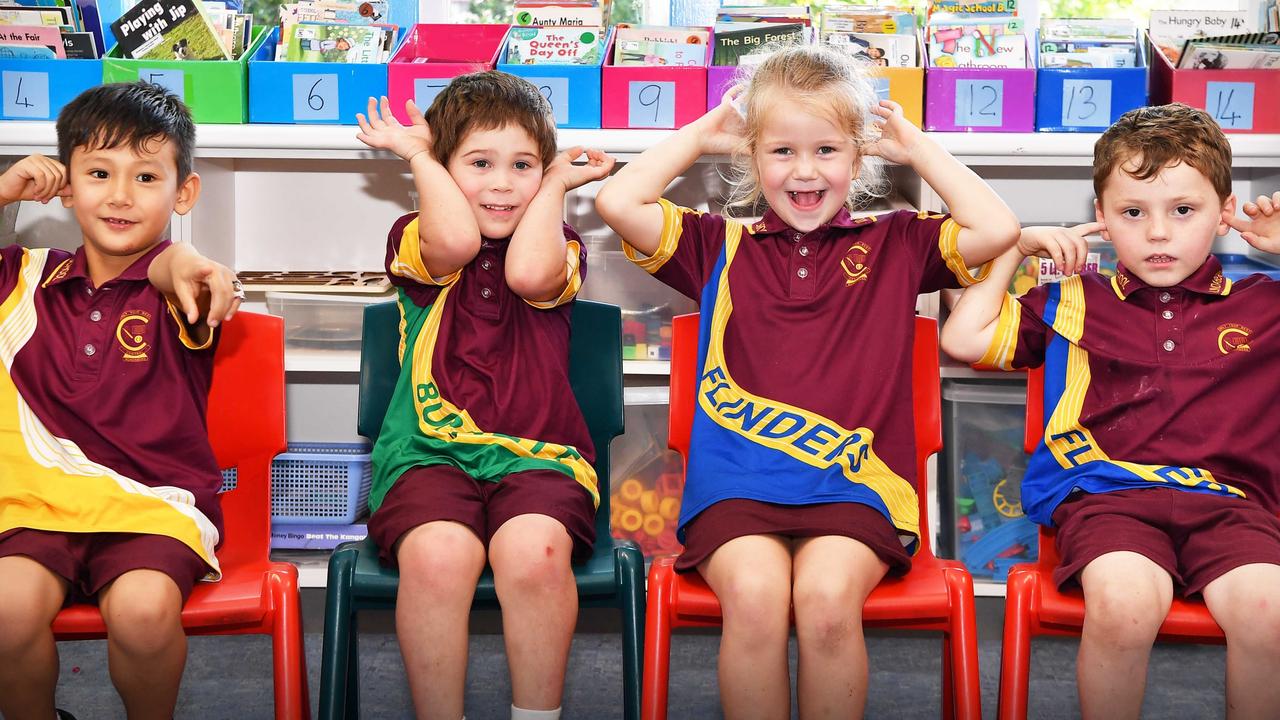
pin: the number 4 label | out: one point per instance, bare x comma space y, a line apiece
26, 94
1230, 103
315, 97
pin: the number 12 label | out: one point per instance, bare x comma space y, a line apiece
980, 103
1086, 103
1230, 103
26, 94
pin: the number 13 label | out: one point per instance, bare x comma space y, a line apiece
1086, 103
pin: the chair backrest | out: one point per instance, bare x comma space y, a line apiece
246, 419
925, 398
595, 373
1032, 434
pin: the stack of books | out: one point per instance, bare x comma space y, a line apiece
335, 31
1170, 30
182, 30
883, 35
961, 33
556, 32
655, 45
1088, 42
48, 29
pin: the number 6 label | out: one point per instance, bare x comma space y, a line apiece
26, 94
315, 97
1230, 103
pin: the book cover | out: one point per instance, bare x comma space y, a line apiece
26, 52
974, 7
1208, 56
559, 14
39, 36
168, 30
877, 48
26, 15
80, 45
91, 22
652, 33
647, 52
554, 45
869, 21
734, 40
321, 42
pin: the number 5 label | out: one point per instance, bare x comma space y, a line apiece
1086, 103
980, 103
1230, 103
26, 94
315, 97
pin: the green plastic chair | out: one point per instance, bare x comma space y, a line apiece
612, 577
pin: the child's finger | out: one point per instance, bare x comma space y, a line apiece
1250, 209
187, 301
1089, 228
1265, 205
388, 117
1238, 224
415, 115
363, 123
373, 112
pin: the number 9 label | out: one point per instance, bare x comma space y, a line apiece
651, 104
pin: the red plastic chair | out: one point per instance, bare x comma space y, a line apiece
935, 595
247, 429
1034, 606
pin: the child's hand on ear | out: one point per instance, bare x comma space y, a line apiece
34, 177
1067, 246
1262, 229
726, 126
383, 131
898, 137
599, 165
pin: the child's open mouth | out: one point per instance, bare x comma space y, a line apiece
118, 223
1160, 259
806, 199
499, 208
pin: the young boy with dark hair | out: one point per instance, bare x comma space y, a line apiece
107, 481
1158, 465
484, 454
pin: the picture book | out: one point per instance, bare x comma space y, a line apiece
168, 30
39, 36
877, 48
540, 45
654, 33
559, 14
326, 42
735, 40
648, 52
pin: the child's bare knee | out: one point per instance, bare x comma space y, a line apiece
1124, 615
825, 616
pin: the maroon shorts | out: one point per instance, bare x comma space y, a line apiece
89, 561
443, 492
1195, 537
729, 519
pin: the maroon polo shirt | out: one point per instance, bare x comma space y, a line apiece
822, 320
1183, 377
503, 359
113, 370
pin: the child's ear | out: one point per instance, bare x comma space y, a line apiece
1097, 215
188, 191
1228, 212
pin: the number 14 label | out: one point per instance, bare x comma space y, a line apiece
1230, 103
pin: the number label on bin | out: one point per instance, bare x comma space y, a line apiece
425, 91
980, 103
882, 88
1086, 103
651, 104
556, 91
26, 94
1230, 103
315, 97
172, 80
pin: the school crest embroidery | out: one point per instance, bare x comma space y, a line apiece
1233, 337
855, 265
131, 335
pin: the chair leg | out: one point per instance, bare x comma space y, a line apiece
293, 699
966, 680
353, 670
1015, 651
630, 568
948, 692
657, 640
338, 651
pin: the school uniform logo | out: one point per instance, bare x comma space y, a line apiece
1217, 283
1233, 337
130, 334
855, 265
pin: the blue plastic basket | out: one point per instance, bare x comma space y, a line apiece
317, 483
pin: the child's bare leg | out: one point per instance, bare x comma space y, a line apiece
1244, 602
751, 576
530, 555
439, 565
833, 577
30, 597
146, 646
1126, 598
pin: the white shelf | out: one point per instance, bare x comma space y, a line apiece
646, 367
338, 142
988, 588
